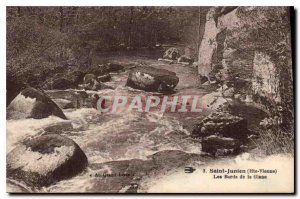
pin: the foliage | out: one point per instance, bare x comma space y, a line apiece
275, 140
42, 41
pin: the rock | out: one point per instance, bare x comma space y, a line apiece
213, 101
81, 94
111, 67
58, 127
95, 86
152, 79
64, 104
220, 146
248, 99
64, 81
90, 82
229, 92
76, 76
185, 60
78, 98
266, 81
104, 78
222, 88
45, 160
172, 54
33, 103
167, 61
89, 78
203, 80
237, 96
13, 187
96, 70
221, 123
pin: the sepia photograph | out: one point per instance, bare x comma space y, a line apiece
150, 99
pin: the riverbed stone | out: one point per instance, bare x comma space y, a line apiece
33, 103
152, 79
64, 104
221, 123
113, 67
45, 160
220, 146
185, 60
172, 54
58, 127
104, 78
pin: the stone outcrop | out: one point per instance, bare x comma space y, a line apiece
152, 79
223, 124
221, 133
249, 48
45, 160
218, 23
265, 81
33, 103
220, 146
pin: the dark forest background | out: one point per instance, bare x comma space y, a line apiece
44, 40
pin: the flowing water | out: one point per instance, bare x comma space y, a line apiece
141, 144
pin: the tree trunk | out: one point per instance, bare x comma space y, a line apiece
61, 20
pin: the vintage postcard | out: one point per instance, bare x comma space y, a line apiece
145, 99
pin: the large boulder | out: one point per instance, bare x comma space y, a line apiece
152, 79
33, 103
221, 123
220, 146
172, 54
45, 160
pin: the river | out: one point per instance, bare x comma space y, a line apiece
126, 151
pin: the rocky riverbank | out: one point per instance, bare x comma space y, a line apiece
61, 130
